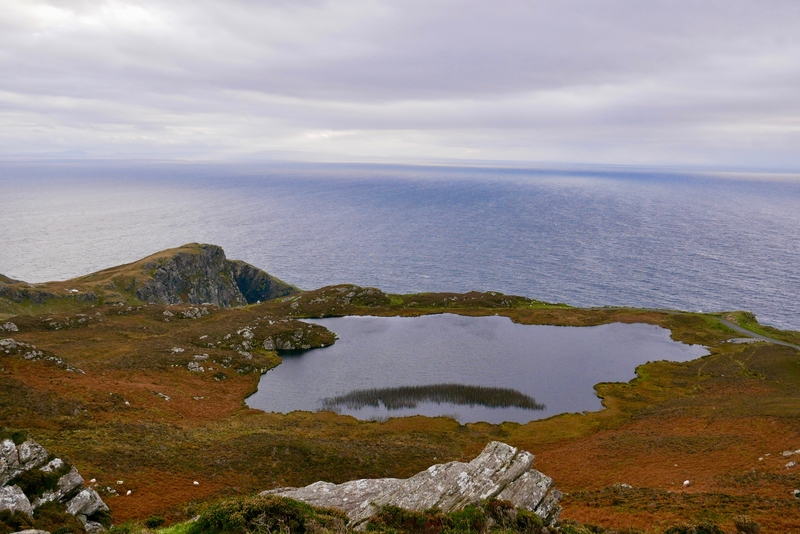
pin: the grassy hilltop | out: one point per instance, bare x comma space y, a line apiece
194, 273
113, 387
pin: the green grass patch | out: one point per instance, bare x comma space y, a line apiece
265, 513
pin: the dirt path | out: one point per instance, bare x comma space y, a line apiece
752, 334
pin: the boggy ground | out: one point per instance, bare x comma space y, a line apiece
105, 388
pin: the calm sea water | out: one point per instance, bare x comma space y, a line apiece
588, 237
556, 366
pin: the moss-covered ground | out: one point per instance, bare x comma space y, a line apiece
124, 407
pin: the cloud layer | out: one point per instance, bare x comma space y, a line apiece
615, 81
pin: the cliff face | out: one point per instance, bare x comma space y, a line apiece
193, 277
256, 285
193, 274
197, 274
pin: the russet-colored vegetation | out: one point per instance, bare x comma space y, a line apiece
137, 410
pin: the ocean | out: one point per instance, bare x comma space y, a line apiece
586, 236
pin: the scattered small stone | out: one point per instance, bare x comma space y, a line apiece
168, 313
686, 483
128, 492
127, 403
9, 327
165, 397
761, 459
92, 481
200, 357
177, 350
198, 398
788, 453
790, 465
120, 482
196, 483
195, 367
796, 493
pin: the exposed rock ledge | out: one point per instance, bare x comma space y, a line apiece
15, 460
500, 471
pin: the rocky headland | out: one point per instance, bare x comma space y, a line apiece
190, 274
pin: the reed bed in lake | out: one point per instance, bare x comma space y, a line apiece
410, 396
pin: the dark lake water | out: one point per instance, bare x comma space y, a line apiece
587, 236
469, 368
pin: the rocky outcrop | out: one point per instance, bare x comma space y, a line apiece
16, 460
13, 499
204, 275
500, 471
191, 274
67, 485
256, 285
20, 292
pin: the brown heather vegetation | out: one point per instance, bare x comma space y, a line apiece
708, 420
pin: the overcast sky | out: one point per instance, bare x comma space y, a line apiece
608, 81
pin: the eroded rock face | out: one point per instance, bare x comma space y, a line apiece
16, 459
13, 499
208, 277
256, 285
66, 487
500, 471
84, 503
31, 455
9, 461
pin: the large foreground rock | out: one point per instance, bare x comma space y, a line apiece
500, 471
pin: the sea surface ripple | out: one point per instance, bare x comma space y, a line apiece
585, 236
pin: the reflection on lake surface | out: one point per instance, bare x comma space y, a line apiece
412, 396
442, 364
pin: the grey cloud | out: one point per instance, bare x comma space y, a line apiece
574, 77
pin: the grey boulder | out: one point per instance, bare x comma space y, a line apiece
13, 499
31, 455
86, 503
16, 459
500, 471
9, 461
67, 485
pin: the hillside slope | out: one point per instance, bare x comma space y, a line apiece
194, 274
